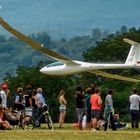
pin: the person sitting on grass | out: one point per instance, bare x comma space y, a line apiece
117, 122
4, 123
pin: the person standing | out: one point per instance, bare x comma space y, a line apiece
80, 105
134, 108
108, 111
18, 101
62, 108
34, 104
4, 93
96, 104
28, 97
87, 95
40, 102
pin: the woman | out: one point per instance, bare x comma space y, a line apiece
4, 123
34, 104
62, 108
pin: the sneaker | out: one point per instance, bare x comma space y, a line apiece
93, 130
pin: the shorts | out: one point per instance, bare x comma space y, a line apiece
96, 114
62, 108
80, 113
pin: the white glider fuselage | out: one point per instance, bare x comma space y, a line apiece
67, 69
71, 67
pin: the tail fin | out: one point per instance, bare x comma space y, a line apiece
134, 53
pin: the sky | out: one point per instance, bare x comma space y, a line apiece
67, 18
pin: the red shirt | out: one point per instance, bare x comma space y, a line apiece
94, 102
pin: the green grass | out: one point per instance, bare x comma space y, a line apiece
68, 133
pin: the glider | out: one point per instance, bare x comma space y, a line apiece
66, 66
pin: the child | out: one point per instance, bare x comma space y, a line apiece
117, 122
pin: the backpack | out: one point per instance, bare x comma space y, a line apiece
18, 106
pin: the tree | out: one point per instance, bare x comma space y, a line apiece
50, 85
111, 48
123, 29
43, 38
96, 34
2, 39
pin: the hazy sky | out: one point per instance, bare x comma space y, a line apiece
70, 17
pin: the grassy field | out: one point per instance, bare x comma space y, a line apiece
68, 133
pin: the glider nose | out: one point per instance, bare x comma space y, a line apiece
42, 70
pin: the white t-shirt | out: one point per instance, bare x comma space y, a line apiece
40, 100
134, 102
17, 99
4, 98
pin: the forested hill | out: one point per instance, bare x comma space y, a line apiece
14, 52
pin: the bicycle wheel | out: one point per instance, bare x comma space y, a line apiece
27, 122
49, 122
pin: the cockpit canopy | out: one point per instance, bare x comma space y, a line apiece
55, 64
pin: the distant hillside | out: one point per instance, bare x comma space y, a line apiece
14, 52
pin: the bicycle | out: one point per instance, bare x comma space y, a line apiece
21, 116
15, 117
29, 122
